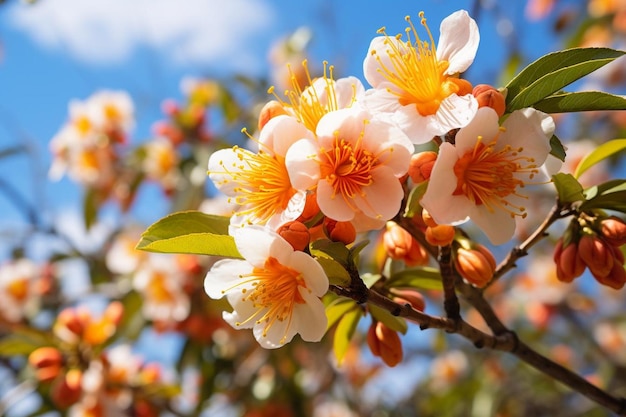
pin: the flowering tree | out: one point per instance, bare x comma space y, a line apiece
350, 216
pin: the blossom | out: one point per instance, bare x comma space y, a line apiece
275, 290
354, 164
18, 294
416, 84
482, 176
259, 182
322, 96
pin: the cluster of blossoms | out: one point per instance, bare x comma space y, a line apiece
22, 284
593, 241
86, 380
335, 159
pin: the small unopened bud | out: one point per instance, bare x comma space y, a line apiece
428, 219
311, 208
476, 265
421, 166
568, 264
271, 109
440, 235
488, 96
114, 312
47, 362
343, 232
408, 296
596, 254
296, 233
399, 244
67, 390
385, 343
613, 230
616, 278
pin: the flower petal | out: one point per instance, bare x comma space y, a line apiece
499, 225
280, 133
484, 124
257, 243
310, 318
302, 165
224, 276
333, 206
377, 50
458, 41
221, 164
312, 272
278, 334
242, 316
531, 130
382, 198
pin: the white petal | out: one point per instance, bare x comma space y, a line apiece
371, 65
349, 122
302, 164
280, 133
224, 275
243, 311
363, 223
310, 318
347, 89
458, 41
414, 125
279, 331
256, 244
454, 112
531, 130
380, 100
499, 226
484, 124
383, 197
333, 206
294, 209
221, 163
312, 272
393, 146
439, 200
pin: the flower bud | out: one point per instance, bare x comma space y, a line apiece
271, 109
343, 232
596, 254
568, 264
428, 219
385, 343
311, 208
616, 278
421, 166
67, 390
47, 361
488, 96
440, 235
613, 230
476, 265
399, 244
408, 296
296, 233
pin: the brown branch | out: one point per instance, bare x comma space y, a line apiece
448, 275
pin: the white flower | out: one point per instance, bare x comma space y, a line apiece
416, 85
354, 164
275, 291
483, 175
18, 296
259, 182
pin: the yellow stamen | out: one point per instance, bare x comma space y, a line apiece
263, 183
306, 103
487, 177
416, 71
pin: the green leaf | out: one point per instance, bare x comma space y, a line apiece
568, 188
598, 154
413, 203
397, 324
344, 332
610, 195
90, 208
370, 279
556, 148
552, 72
23, 341
337, 309
326, 248
190, 232
336, 273
426, 278
581, 101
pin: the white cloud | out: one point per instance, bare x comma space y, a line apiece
184, 31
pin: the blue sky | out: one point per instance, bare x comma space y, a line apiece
58, 50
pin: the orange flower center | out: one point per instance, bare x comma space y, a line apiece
348, 168
418, 74
275, 293
487, 177
158, 290
18, 289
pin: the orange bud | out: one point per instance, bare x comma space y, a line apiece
409, 296
48, 362
399, 244
271, 109
568, 264
311, 208
475, 265
616, 278
613, 230
67, 391
488, 96
385, 343
428, 219
296, 233
421, 166
114, 312
440, 235
343, 232
597, 254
